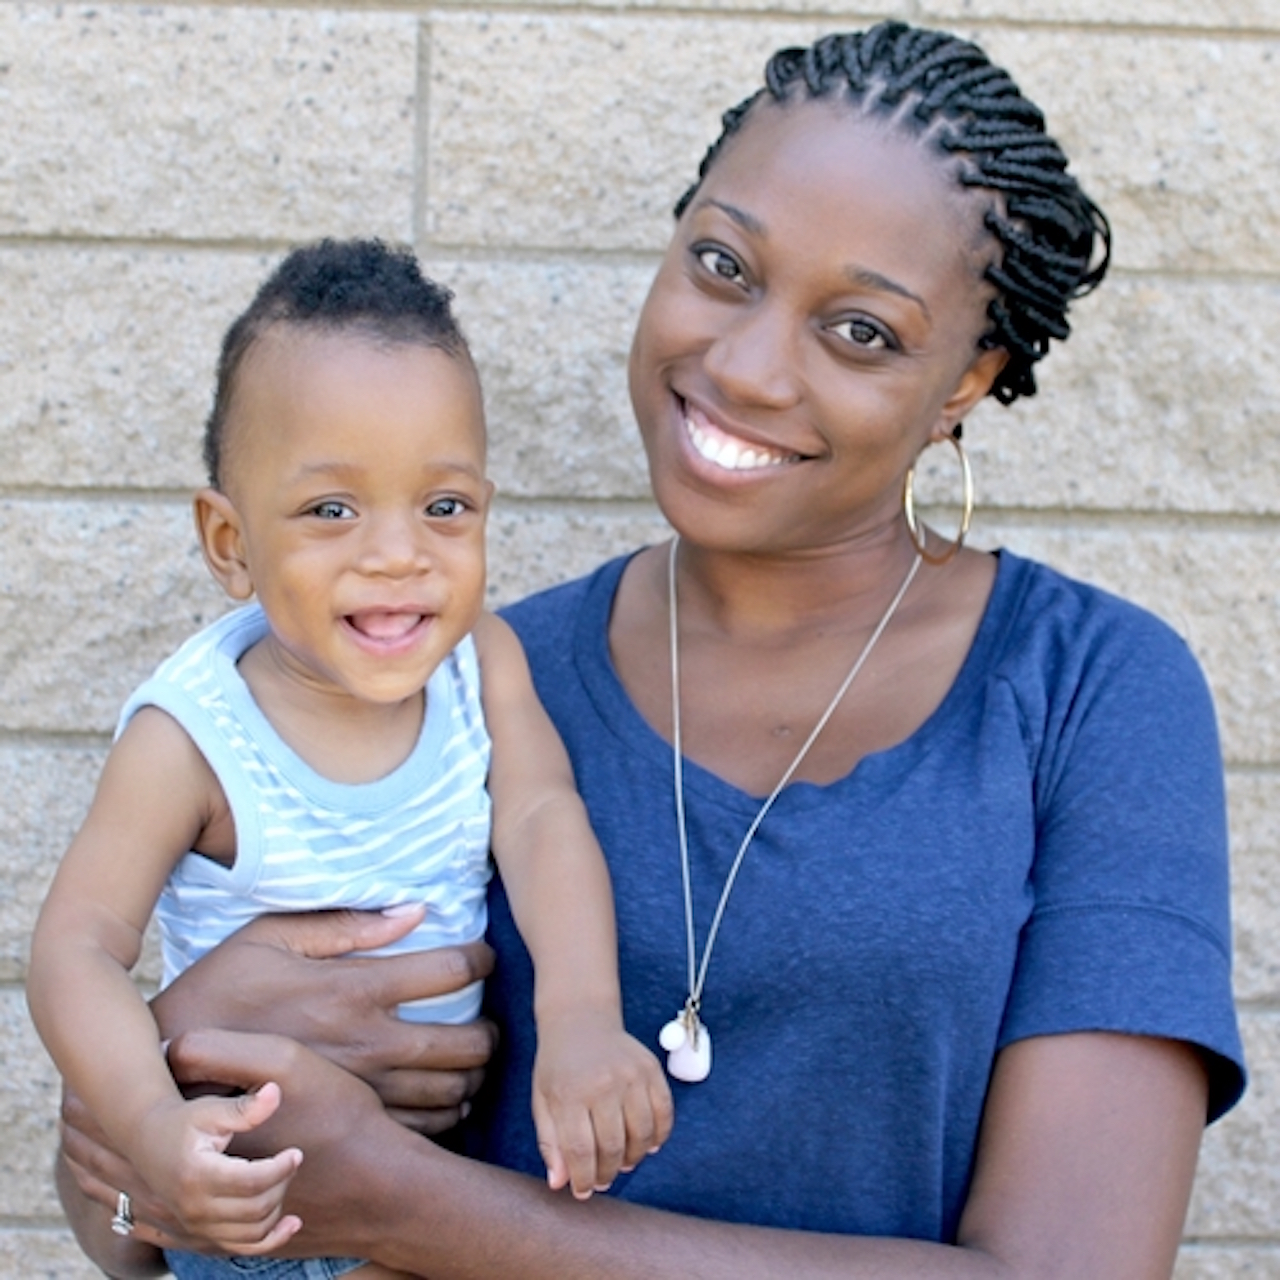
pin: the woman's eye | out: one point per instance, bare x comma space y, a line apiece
863, 333
720, 263
442, 508
332, 511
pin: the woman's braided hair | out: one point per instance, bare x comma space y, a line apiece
1056, 242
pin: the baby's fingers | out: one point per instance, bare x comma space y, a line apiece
609, 1124
239, 1114
240, 1215
557, 1170
283, 1230
262, 1180
216, 1122
567, 1141
650, 1115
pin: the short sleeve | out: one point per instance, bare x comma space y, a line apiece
1130, 925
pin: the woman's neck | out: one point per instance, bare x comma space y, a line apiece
766, 640
751, 596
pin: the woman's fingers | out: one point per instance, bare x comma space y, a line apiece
421, 1049
321, 935
428, 1091
100, 1172
101, 1176
429, 1123
243, 1060
290, 975
415, 975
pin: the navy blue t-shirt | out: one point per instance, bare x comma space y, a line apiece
1046, 854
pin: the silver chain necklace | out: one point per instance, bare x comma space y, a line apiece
686, 1038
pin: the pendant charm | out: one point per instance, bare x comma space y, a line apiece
688, 1045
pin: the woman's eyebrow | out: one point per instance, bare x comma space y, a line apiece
865, 278
748, 222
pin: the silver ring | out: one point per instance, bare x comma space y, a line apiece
122, 1221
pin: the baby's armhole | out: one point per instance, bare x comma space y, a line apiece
153, 801
159, 737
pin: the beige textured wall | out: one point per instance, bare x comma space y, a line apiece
154, 161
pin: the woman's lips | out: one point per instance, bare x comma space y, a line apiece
729, 452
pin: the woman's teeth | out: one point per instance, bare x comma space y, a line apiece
732, 454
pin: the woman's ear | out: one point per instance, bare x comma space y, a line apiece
974, 383
222, 541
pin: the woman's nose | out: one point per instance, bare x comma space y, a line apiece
754, 359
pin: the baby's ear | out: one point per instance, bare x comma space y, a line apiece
222, 541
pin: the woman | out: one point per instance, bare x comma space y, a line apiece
948, 982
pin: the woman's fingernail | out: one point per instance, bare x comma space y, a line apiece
402, 909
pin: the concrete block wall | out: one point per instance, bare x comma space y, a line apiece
155, 161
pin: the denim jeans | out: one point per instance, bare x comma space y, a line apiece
195, 1266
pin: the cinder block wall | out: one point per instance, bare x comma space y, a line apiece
155, 161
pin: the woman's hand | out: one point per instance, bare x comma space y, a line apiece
292, 976
325, 1112
322, 1106
89, 1176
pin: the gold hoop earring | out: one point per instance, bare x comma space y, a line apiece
916, 530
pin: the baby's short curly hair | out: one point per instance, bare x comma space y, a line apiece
359, 285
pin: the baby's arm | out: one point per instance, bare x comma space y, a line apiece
601, 1101
156, 797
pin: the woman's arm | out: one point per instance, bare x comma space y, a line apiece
1085, 1167
291, 975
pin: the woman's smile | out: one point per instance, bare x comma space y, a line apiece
728, 451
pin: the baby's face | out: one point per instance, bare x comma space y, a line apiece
357, 470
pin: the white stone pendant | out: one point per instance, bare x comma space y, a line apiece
688, 1045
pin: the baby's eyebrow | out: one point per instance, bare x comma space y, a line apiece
337, 469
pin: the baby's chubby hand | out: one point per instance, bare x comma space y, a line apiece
235, 1203
600, 1101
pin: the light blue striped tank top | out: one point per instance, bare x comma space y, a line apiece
304, 843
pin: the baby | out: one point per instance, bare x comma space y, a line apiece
340, 742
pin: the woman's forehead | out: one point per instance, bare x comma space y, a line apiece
818, 175
817, 142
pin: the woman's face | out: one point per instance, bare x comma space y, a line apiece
812, 326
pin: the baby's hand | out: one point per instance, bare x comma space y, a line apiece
600, 1101
234, 1203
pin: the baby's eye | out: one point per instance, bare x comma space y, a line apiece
863, 333
332, 510
719, 262
443, 508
